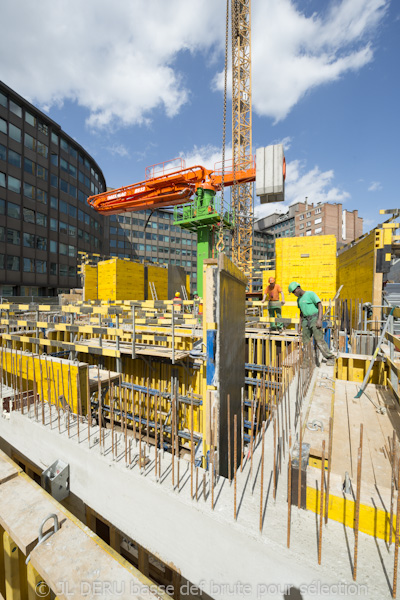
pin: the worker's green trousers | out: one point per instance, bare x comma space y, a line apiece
309, 328
275, 312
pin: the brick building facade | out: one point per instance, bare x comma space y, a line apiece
328, 219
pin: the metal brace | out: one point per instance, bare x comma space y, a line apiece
325, 385
43, 538
315, 425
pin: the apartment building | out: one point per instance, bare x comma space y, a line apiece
329, 219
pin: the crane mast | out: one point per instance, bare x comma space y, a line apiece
242, 195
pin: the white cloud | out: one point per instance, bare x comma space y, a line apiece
119, 59
286, 141
293, 54
114, 58
208, 156
316, 185
375, 186
119, 150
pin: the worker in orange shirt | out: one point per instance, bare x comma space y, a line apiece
271, 293
177, 302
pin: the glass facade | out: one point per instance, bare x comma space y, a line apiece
45, 179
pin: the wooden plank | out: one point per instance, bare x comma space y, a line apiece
81, 559
23, 506
8, 469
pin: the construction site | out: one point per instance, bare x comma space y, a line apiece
160, 441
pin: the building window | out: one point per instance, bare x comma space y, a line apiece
29, 190
308, 223
14, 184
53, 224
12, 263
13, 236
30, 119
28, 240
13, 210
29, 166
14, 158
15, 108
29, 142
301, 217
43, 128
317, 221
53, 268
63, 250
301, 226
63, 227
308, 214
41, 266
63, 270
2, 180
308, 232
41, 196
3, 100
41, 219
42, 149
41, 172
318, 211
54, 138
29, 215
41, 242
14, 132
54, 180
318, 230
28, 265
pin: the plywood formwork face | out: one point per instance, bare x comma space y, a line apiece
55, 380
311, 261
358, 269
90, 282
120, 280
159, 277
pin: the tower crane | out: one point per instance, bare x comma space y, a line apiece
166, 185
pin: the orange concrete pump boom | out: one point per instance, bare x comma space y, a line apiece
166, 186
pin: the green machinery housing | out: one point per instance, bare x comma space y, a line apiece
204, 215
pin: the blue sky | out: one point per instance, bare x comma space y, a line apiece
137, 83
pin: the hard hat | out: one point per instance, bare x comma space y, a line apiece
271, 280
177, 294
294, 285
195, 293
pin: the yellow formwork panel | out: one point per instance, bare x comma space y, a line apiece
159, 277
120, 280
90, 282
311, 261
356, 269
52, 377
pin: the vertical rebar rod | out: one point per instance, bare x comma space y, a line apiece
396, 539
329, 469
357, 508
229, 438
289, 498
234, 464
300, 463
321, 502
191, 447
242, 430
262, 473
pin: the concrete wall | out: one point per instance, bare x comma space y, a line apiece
230, 355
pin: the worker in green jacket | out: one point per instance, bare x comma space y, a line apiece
311, 319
